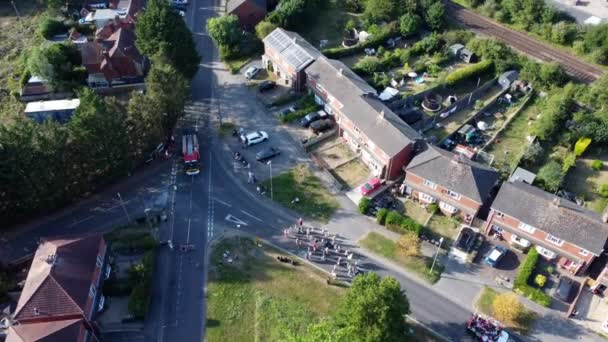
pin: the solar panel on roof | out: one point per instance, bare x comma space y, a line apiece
297, 56
279, 40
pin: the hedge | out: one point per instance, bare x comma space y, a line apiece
400, 224
381, 216
391, 30
393, 218
520, 283
365, 205
469, 71
581, 146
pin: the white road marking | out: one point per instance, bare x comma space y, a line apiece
83, 220
233, 219
224, 203
188, 236
248, 214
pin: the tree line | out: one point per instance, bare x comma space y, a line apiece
45, 166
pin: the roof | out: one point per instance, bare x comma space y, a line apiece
521, 174
454, 172
58, 282
561, 218
107, 14
360, 104
234, 4
44, 106
294, 49
55, 331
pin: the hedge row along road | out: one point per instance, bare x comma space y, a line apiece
479, 24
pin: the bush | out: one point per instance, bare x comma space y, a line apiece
139, 301
389, 31
550, 176
581, 146
597, 165
410, 225
365, 204
520, 283
49, 27
433, 208
393, 218
568, 162
469, 72
603, 190
540, 280
381, 216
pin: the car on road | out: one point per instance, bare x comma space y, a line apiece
267, 154
495, 255
312, 117
254, 138
370, 186
320, 126
565, 289
251, 72
266, 85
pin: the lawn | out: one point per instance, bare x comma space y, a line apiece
416, 212
352, 174
443, 226
328, 25
314, 199
257, 298
387, 248
235, 65
584, 181
484, 305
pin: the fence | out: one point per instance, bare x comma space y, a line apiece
314, 141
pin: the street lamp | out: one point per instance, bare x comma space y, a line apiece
436, 254
271, 192
123, 207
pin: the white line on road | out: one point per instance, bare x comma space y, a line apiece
248, 214
233, 219
83, 220
224, 203
188, 236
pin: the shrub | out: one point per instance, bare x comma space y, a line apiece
520, 283
49, 27
410, 225
568, 162
409, 244
540, 280
550, 176
433, 208
597, 165
390, 30
507, 308
469, 72
365, 205
581, 146
603, 190
139, 301
550, 269
393, 218
381, 216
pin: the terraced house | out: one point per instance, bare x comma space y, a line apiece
457, 184
560, 230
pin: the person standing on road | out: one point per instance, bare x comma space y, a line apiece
301, 222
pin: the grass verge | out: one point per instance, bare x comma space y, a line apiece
299, 182
485, 304
257, 298
226, 129
387, 248
235, 65
443, 226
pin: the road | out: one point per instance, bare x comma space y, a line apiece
479, 24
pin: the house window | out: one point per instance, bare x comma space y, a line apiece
518, 240
526, 227
545, 252
99, 261
497, 229
583, 252
430, 184
450, 209
453, 194
357, 131
426, 198
554, 240
499, 214
92, 291
320, 88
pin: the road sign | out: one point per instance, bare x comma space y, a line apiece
233, 219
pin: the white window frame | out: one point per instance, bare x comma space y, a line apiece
583, 252
526, 228
99, 262
499, 214
430, 184
447, 207
92, 291
545, 252
454, 195
497, 229
426, 198
320, 88
554, 240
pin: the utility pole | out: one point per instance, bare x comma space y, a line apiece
16, 10
122, 203
436, 254
271, 192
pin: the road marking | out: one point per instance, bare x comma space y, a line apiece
224, 203
248, 214
233, 219
188, 236
83, 220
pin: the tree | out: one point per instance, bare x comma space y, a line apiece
160, 30
555, 112
533, 152
48, 27
550, 176
54, 4
434, 15
364, 205
489, 48
264, 28
144, 125
374, 310
169, 89
507, 308
380, 10
409, 244
58, 65
288, 13
225, 30
409, 24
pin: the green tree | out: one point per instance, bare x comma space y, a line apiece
409, 24
288, 13
167, 87
550, 176
555, 112
58, 64
144, 125
434, 15
264, 28
225, 30
49, 27
380, 10
160, 30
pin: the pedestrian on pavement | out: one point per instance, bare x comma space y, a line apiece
346, 252
323, 257
309, 255
349, 272
337, 248
356, 262
301, 222
300, 230
298, 241
333, 239
308, 231
285, 232
350, 256
339, 261
326, 250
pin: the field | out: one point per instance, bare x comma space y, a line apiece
257, 298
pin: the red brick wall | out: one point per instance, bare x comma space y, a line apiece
464, 203
249, 14
538, 234
395, 166
279, 64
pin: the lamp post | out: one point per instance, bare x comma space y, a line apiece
123, 207
436, 254
271, 192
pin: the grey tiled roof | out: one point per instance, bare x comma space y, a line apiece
552, 214
234, 4
454, 172
360, 104
295, 50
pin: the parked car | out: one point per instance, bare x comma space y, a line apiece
251, 72
321, 125
496, 254
179, 2
266, 154
370, 186
266, 85
312, 117
254, 138
287, 111
565, 289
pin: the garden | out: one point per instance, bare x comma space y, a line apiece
589, 179
506, 308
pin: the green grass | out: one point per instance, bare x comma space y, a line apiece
416, 212
327, 25
314, 199
352, 173
387, 248
443, 226
485, 304
584, 181
257, 298
226, 128
235, 65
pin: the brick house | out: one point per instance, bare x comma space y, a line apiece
457, 184
63, 291
384, 142
286, 55
561, 230
249, 12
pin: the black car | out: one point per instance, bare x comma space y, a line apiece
321, 125
311, 117
266, 85
287, 111
565, 289
266, 154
